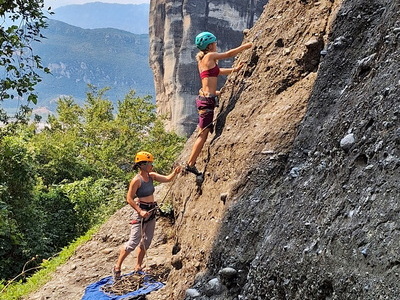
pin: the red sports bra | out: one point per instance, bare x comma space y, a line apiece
213, 72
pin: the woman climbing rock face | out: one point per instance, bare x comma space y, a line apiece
207, 100
143, 223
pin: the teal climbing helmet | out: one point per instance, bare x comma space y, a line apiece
204, 39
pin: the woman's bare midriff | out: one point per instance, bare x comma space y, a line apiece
209, 85
147, 199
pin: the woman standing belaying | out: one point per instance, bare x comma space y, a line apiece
143, 223
209, 70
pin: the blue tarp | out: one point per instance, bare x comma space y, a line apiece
94, 291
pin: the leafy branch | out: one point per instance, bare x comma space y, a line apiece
17, 60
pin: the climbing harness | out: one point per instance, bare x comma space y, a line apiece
208, 95
205, 110
154, 207
150, 208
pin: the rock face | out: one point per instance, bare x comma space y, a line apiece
307, 148
173, 27
301, 193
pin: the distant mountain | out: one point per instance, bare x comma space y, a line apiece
102, 57
129, 17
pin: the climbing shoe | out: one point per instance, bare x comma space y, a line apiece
116, 274
199, 178
192, 169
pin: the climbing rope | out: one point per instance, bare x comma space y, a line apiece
135, 281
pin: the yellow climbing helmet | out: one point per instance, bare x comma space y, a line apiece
143, 156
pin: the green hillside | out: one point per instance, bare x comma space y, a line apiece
101, 57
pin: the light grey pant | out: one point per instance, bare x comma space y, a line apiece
142, 233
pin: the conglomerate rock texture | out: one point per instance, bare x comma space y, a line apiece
173, 27
301, 196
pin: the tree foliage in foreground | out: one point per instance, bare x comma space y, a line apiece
21, 23
57, 183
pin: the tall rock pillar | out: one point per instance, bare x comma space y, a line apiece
173, 27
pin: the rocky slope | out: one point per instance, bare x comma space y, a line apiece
173, 26
301, 193
301, 208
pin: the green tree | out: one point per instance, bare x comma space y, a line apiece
58, 148
58, 158
93, 200
98, 131
59, 221
57, 183
70, 114
17, 61
134, 119
17, 210
164, 145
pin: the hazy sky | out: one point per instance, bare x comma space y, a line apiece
57, 3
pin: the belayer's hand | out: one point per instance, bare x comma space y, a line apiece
177, 170
143, 213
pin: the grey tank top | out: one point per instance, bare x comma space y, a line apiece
146, 188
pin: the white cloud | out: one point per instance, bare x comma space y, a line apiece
57, 3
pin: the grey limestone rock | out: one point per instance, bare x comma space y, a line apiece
173, 27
